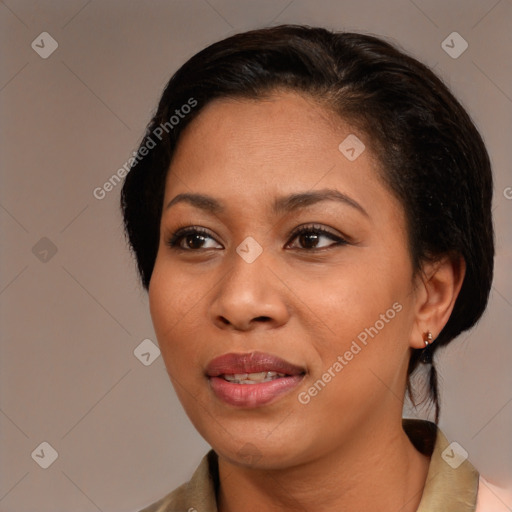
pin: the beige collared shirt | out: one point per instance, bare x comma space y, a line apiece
451, 485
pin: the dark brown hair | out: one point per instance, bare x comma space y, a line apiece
431, 154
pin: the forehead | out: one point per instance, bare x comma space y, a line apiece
245, 149
285, 125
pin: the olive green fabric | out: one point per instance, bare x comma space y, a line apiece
450, 486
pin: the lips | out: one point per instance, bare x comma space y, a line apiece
254, 362
252, 380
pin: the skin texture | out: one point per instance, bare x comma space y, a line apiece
345, 449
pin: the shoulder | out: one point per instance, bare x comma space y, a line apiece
173, 502
492, 498
452, 481
198, 494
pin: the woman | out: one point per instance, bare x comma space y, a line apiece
310, 214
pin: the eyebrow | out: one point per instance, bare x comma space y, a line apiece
284, 204
295, 201
201, 201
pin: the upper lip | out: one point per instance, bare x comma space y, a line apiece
253, 362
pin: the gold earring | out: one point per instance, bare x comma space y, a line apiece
428, 338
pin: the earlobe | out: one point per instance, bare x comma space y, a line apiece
438, 287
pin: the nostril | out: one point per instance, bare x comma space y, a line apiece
262, 319
225, 321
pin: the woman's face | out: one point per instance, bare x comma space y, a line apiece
335, 301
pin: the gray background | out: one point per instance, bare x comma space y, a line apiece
72, 320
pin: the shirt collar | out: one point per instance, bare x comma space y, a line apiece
452, 481
451, 484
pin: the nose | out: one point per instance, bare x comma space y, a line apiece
250, 296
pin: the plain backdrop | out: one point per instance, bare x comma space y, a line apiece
73, 314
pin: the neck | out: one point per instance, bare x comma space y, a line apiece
378, 470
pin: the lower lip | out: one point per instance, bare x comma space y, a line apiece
253, 395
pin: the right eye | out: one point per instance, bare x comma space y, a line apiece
192, 239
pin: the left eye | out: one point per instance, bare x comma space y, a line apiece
315, 238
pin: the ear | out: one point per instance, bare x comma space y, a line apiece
437, 286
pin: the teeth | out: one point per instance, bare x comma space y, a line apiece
252, 378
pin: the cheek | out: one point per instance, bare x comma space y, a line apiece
360, 312
171, 303
349, 299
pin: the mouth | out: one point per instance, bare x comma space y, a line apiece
252, 379
253, 366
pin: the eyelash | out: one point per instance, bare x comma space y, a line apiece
175, 239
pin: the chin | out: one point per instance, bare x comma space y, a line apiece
256, 449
